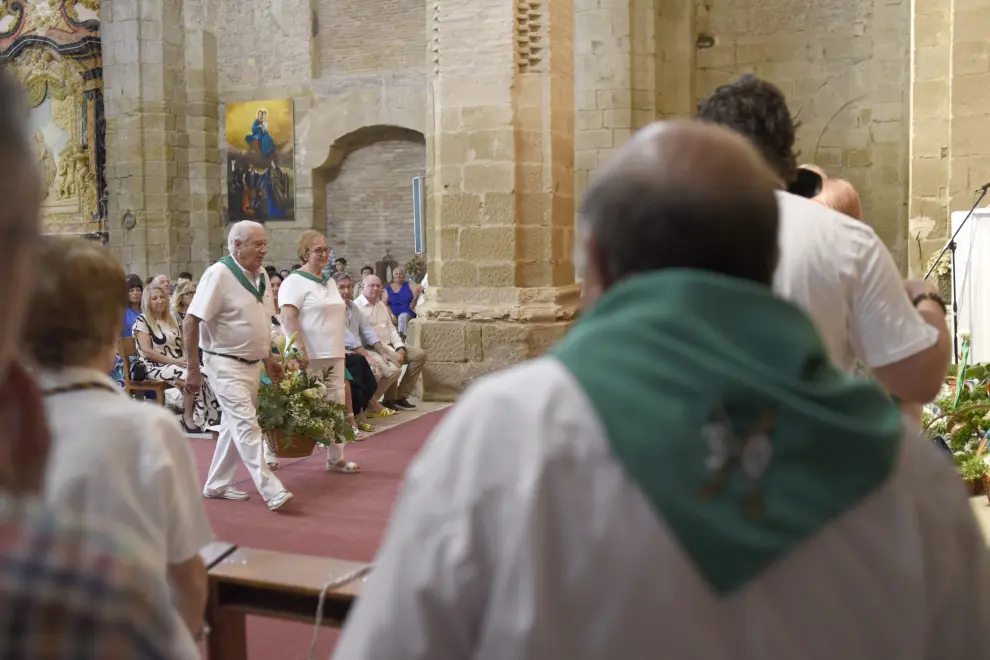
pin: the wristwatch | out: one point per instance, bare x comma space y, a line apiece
933, 297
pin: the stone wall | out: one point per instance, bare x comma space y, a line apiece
844, 67
369, 196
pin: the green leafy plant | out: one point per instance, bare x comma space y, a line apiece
297, 406
416, 268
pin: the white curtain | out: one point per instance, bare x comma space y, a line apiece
971, 281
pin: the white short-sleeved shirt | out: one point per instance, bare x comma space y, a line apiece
519, 534
125, 464
839, 271
322, 314
234, 321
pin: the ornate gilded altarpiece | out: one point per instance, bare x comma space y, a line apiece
53, 47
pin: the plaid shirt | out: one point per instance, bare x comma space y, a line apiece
67, 593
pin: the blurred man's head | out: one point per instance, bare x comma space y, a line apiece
757, 110
371, 288
20, 190
839, 195
680, 195
24, 439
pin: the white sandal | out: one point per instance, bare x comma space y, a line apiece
349, 467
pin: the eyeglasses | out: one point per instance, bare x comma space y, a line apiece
320, 251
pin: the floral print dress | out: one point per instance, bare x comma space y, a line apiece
168, 341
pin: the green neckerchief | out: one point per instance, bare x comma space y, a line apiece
309, 276
257, 292
672, 360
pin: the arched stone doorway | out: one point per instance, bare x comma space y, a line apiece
367, 193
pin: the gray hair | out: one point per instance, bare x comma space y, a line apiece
340, 277
240, 231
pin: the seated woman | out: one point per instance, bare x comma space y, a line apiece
159, 342
401, 299
114, 461
181, 297
135, 289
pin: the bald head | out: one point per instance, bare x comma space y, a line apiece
682, 195
839, 195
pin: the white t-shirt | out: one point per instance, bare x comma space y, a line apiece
125, 464
234, 321
322, 314
839, 271
519, 534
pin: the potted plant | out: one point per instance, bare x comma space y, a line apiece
943, 274
962, 421
294, 412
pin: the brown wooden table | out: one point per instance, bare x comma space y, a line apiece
278, 585
215, 552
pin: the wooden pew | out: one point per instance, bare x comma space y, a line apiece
215, 552
279, 585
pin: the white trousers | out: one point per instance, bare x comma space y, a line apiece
331, 370
236, 387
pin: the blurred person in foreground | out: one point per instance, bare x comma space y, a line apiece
736, 496
66, 591
836, 268
114, 461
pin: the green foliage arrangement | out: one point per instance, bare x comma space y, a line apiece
961, 416
416, 268
296, 405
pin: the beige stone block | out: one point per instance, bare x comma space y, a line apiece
969, 58
970, 94
487, 244
459, 274
585, 99
496, 275
970, 136
593, 140
489, 177
586, 160
586, 120
498, 208
930, 137
460, 209
444, 341
497, 115
932, 62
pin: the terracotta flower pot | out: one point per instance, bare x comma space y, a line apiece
975, 486
286, 446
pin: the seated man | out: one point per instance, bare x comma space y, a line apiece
358, 338
371, 305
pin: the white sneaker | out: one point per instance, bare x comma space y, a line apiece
279, 500
228, 493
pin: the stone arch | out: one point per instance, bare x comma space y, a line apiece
362, 192
326, 123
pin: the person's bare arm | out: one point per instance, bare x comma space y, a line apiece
290, 321
907, 349
190, 583
190, 348
148, 349
919, 378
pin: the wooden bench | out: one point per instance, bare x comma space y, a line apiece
128, 350
272, 584
215, 552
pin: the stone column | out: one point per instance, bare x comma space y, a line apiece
144, 95
202, 172
500, 181
615, 78
930, 135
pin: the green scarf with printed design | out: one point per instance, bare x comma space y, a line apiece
685, 369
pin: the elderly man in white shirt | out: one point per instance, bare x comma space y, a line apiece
233, 307
377, 313
359, 337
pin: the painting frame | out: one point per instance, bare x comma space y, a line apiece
260, 164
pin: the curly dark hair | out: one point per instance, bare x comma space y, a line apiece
758, 110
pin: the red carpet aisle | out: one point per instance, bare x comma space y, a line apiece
335, 515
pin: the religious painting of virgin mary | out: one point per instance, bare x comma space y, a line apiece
260, 175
